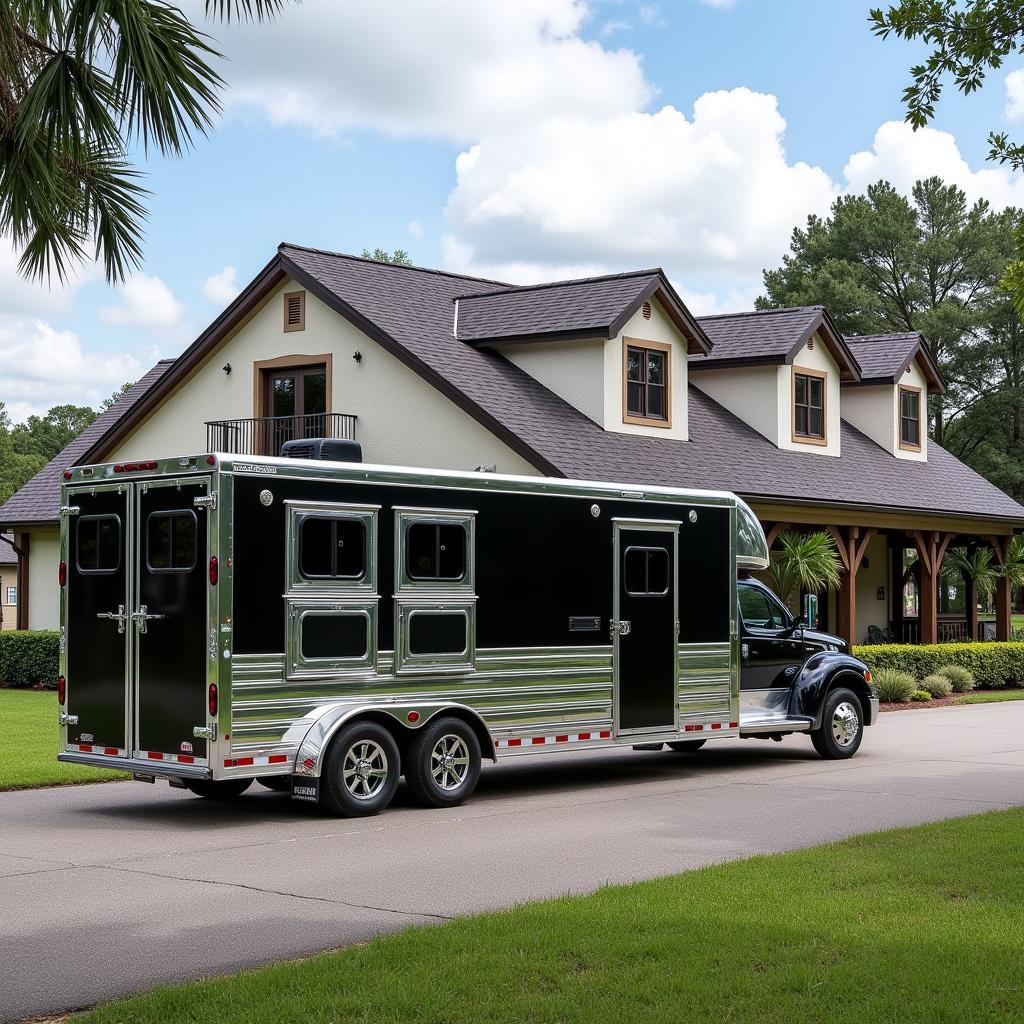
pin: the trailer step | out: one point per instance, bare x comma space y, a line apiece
775, 725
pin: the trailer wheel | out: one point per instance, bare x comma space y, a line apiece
277, 783
443, 763
361, 771
226, 789
686, 746
842, 726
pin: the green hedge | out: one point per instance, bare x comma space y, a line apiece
994, 664
29, 657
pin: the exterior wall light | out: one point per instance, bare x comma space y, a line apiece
227, 368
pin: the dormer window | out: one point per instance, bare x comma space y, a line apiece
910, 418
647, 368
809, 425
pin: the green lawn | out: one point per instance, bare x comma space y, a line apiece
989, 696
916, 925
31, 735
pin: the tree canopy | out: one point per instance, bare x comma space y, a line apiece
931, 262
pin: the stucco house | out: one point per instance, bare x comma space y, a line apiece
8, 583
606, 378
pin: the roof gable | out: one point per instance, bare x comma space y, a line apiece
884, 358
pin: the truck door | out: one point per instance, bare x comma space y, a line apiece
645, 625
96, 598
170, 619
772, 650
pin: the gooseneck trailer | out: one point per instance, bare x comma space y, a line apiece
326, 627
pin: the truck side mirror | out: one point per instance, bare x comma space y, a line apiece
811, 610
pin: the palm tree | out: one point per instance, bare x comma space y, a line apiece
974, 565
80, 82
1013, 567
807, 561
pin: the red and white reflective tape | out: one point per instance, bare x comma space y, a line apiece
246, 762
154, 755
95, 748
539, 741
711, 727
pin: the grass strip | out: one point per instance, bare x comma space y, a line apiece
31, 738
899, 926
989, 697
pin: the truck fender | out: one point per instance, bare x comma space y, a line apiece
823, 672
400, 719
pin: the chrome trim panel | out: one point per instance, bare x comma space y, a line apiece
756, 725
141, 765
298, 610
764, 705
705, 683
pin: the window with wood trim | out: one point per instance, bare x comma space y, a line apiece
294, 311
809, 406
647, 386
910, 418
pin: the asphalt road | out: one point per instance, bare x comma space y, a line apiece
109, 889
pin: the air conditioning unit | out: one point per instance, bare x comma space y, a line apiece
327, 449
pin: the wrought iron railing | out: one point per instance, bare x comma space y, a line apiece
264, 435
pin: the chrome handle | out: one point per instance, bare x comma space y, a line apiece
119, 617
66, 719
143, 617
619, 627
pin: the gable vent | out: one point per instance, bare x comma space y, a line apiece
294, 311
810, 344
646, 310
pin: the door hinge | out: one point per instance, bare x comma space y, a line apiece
619, 627
66, 719
206, 501
66, 511
744, 650
675, 629
204, 732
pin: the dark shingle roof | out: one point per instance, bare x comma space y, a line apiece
39, 500
7, 555
884, 357
413, 307
567, 307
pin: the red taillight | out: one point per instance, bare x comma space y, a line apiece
62, 573
213, 700
413, 716
67, 474
211, 460
214, 570
62, 690
134, 467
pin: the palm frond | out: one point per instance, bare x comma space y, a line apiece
807, 561
243, 10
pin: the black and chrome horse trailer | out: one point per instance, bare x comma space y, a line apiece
326, 627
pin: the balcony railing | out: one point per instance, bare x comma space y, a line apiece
264, 435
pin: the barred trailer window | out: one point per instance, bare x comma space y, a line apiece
171, 541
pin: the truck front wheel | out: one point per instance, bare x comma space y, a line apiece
443, 763
842, 725
361, 771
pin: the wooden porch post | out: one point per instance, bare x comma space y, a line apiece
931, 549
852, 542
21, 545
972, 610
1000, 545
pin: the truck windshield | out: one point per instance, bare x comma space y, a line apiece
761, 611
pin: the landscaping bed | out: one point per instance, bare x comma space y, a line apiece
956, 700
899, 927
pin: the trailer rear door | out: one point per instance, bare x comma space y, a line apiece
96, 621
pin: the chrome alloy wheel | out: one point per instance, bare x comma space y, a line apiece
365, 770
449, 762
845, 724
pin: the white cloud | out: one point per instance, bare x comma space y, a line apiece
222, 287
712, 195
415, 228
145, 302
902, 156
1014, 109
722, 5
35, 298
450, 69
609, 28
650, 14
41, 366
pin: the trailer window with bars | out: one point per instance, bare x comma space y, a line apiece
647, 571
332, 548
98, 544
436, 551
171, 541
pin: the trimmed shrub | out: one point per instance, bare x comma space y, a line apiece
920, 696
936, 685
960, 678
993, 664
29, 658
892, 685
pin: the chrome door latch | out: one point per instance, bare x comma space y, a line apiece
66, 719
619, 627
142, 618
119, 617
744, 651
204, 732
206, 501
66, 511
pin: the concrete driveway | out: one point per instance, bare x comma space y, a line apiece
109, 889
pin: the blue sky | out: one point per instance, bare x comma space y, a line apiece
533, 140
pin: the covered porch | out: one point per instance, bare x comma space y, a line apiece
892, 588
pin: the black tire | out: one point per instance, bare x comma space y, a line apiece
277, 783
433, 780
227, 789
351, 784
686, 746
842, 725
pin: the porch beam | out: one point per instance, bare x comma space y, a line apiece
21, 547
1001, 547
931, 550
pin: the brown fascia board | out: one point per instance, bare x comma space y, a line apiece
431, 376
660, 287
734, 361
836, 345
585, 334
190, 360
933, 375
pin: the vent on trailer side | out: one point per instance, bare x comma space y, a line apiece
328, 449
